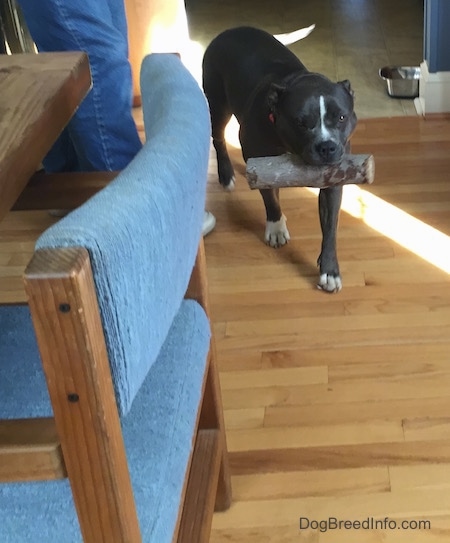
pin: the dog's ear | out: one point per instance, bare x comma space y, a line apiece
347, 86
274, 94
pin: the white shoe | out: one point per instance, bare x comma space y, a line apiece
209, 222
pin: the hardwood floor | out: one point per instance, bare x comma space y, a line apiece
339, 405
336, 406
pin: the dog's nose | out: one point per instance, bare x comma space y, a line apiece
327, 150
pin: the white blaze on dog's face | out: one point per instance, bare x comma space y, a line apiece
324, 132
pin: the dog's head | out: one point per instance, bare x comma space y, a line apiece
313, 116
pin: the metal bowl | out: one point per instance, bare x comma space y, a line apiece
401, 81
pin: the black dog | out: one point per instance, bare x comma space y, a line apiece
281, 107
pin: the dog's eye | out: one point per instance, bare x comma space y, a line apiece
305, 122
342, 118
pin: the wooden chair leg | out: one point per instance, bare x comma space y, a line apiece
209, 470
198, 507
66, 317
198, 284
211, 416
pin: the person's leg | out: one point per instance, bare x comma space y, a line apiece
62, 157
119, 18
103, 132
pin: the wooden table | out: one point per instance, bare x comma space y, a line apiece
39, 95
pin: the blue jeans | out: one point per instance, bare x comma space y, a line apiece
102, 134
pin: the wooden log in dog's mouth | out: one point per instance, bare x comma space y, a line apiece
288, 170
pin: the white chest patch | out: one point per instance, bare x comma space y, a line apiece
324, 132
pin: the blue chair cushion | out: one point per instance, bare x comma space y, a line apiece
158, 431
142, 231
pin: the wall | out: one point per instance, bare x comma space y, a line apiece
437, 35
434, 88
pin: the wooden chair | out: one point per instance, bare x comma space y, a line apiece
123, 441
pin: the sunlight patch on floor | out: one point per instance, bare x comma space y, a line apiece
397, 225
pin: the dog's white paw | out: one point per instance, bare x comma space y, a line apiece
330, 283
231, 185
277, 233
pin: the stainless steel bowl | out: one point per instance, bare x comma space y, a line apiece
401, 81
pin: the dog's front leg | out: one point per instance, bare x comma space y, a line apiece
329, 205
276, 233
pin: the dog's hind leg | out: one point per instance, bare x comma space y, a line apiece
220, 116
329, 205
276, 233
224, 167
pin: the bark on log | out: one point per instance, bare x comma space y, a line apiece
289, 170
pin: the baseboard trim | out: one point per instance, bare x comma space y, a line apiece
434, 92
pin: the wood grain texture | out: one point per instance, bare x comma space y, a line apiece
66, 190
197, 513
69, 332
40, 93
211, 413
30, 450
18, 232
290, 171
198, 284
212, 418
336, 405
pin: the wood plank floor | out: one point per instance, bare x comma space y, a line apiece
338, 406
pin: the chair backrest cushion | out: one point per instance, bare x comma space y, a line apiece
142, 231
